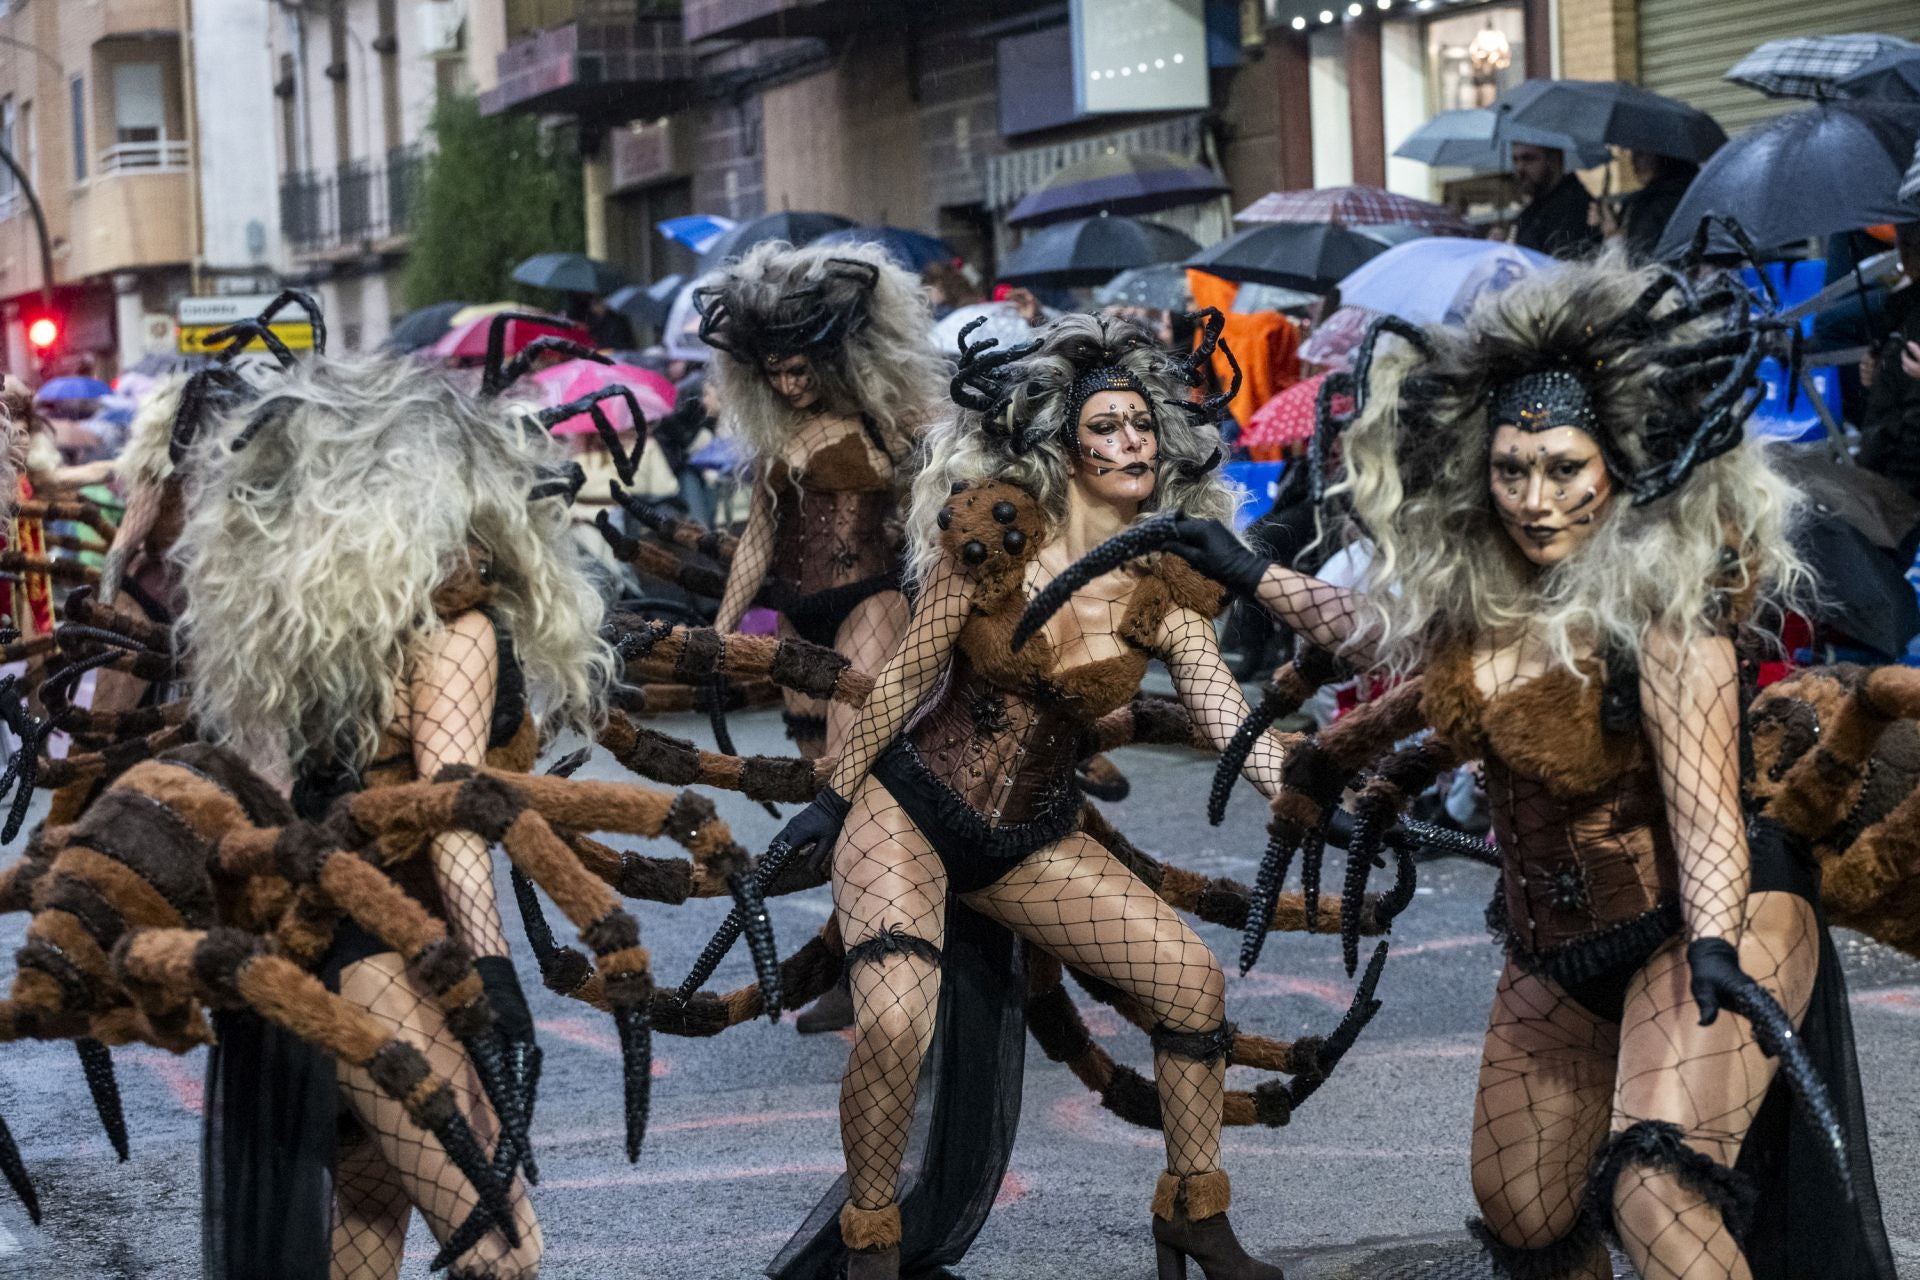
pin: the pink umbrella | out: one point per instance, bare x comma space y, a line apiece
1288, 418
1353, 207
571, 379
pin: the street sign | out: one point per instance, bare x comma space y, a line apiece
297, 334
223, 310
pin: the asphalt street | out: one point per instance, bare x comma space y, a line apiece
1369, 1180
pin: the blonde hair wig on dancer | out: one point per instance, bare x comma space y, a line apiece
1017, 428
861, 321
315, 542
1659, 372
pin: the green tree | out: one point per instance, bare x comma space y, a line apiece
497, 190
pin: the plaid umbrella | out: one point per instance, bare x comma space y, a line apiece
1334, 340
1807, 66
1353, 207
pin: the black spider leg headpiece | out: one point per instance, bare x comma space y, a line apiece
1328, 425
497, 373
982, 384
624, 463
220, 387
805, 318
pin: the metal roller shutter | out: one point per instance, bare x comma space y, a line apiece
1687, 45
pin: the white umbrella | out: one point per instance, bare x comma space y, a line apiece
1437, 280
1002, 321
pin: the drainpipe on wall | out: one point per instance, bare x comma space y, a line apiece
190, 109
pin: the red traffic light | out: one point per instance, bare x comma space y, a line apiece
43, 333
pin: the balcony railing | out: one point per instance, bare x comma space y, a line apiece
357, 205
167, 155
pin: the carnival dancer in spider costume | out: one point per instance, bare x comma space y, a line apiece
952, 808
1569, 539
376, 589
825, 371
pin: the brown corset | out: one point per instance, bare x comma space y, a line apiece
827, 538
1005, 753
1573, 866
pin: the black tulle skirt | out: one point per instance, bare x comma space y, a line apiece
270, 1132
964, 1119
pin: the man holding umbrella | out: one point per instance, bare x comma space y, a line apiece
1557, 219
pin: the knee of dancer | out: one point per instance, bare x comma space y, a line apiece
1527, 1221
1199, 1002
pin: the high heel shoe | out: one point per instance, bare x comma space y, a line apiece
1190, 1221
873, 1242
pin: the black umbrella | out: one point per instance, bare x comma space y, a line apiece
1117, 182
647, 304
1610, 112
794, 228
1093, 251
570, 273
424, 327
1833, 167
1313, 256
1895, 74
1859, 589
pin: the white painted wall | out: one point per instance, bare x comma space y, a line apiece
1332, 121
236, 122
1403, 95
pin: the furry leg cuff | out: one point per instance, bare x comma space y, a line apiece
1662, 1147
1202, 1195
870, 1229
1573, 1256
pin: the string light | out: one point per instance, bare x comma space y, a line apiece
1299, 24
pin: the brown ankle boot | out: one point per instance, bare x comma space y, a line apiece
1190, 1221
831, 1012
873, 1242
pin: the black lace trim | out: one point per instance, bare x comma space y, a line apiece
954, 822
1662, 1147
1623, 946
892, 941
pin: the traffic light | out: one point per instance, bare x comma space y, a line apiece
42, 333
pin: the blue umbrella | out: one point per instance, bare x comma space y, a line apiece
697, 231
73, 388
1464, 139
913, 250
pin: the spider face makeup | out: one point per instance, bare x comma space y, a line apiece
1116, 448
1550, 489
791, 377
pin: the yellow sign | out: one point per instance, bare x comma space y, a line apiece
297, 334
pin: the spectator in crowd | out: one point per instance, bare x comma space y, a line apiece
1644, 214
1557, 219
1890, 432
951, 287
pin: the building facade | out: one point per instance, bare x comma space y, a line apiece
943, 116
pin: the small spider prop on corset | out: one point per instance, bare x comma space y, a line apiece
1568, 538
823, 367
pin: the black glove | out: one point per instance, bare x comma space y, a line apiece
1717, 976
511, 1017
1210, 547
818, 825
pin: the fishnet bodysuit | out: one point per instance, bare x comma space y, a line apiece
871, 629
391, 1166
1070, 897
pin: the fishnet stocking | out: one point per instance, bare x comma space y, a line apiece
866, 639
394, 1163
448, 714
751, 557
1709, 1081
886, 877
1543, 1109
1083, 905
1690, 704
1323, 613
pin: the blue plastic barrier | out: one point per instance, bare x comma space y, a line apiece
1261, 480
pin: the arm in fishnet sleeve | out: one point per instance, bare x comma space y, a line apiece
450, 700
750, 560
1690, 696
944, 604
1323, 613
1191, 649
